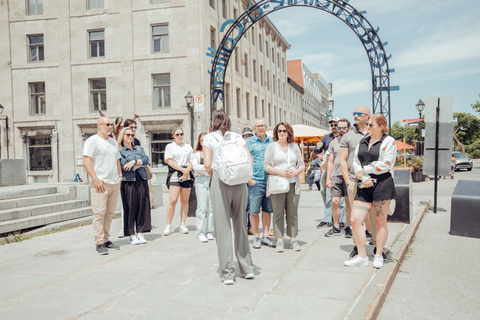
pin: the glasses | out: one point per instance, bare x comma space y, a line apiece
179, 134
358, 114
130, 135
132, 127
333, 125
282, 131
261, 126
108, 124
343, 128
369, 124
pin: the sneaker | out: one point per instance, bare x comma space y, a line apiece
330, 224
322, 224
348, 232
249, 231
201, 237
295, 245
141, 238
368, 235
109, 245
101, 249
210, 236
333, 232
228, 282
267, 241
354, 252
378, 261
168, 230
134, 240
257, 243
384, 255
342, 225
120, 234
249, 276
371, 242
357, 262
309, 189
279, 246
183, 228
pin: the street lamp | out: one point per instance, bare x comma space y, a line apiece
420, 107
189, 101
6, 127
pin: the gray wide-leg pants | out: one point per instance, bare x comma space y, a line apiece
229, 202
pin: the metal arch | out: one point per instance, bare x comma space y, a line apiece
354, 19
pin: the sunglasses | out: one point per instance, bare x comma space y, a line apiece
333, 125
179, 134
343, 128
108, 124
369, 124
130, 135
358, 114
282, 131
133, 127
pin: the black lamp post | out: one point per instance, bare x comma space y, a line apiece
189, 101
6, 127
420, 107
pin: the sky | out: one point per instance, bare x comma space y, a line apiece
435, 48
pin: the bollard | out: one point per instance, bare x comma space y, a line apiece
192, 202
403, 188
465, 215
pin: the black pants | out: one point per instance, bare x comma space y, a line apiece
136, 206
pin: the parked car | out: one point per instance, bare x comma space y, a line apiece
409, 156
462, 161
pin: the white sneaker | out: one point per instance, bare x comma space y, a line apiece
141, 238
133, 240
168, 230
210, 236
120, 234
378, 261
201, 237
356, 261
228, 282
250, 276
183, 229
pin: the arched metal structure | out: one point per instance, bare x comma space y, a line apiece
341, 9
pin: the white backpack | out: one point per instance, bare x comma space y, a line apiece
234, 166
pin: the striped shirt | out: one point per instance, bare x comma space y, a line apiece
257, 148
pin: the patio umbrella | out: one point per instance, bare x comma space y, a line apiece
401, 145
305, 133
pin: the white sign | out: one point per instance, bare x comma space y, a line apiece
199, 103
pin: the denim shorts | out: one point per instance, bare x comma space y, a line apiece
257, 198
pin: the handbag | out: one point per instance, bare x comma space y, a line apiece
147, 168
278, 184
391, 210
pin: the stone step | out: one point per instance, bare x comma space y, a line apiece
25, 212
44, 219
25, 191
36, 200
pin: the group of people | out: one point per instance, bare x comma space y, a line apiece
356, 164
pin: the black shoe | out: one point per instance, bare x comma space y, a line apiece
348, 232
101, 249
322, 224
354, 252
383, 253
330, 224
368, 235
342, 225
371, 242
333, 232
109, 245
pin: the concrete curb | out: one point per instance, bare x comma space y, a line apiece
382, 291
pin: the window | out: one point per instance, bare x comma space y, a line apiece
246, 65
278, 60
160, 38
253, 35
159, 141
254, 66
263, 108
260, 42
237, 68
213, 43
255, 106
274, 84
247, 104
224, 9
98, 94
268, 80
34, 7
279, 89
97, 43
94, 4
227, 99
161, 89
272, 123
266, 48
37, 98
261, 76
39, 153
283, 64
212, 3
239, 110
35, 46
273, 56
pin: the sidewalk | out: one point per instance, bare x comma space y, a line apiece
60, 276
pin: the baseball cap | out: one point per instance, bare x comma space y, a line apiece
247, 130
334, 119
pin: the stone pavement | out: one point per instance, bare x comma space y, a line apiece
60, 276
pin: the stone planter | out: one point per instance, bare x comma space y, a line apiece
417, 176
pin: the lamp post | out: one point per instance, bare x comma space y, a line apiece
420, 107
189, 101
6, 127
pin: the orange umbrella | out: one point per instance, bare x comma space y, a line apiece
401, 145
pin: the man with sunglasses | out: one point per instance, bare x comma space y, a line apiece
101, 158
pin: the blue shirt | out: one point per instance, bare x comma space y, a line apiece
257, 148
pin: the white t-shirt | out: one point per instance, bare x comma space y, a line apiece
213, 142
105, 155
182, 154
284, 160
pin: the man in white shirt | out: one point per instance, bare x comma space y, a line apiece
101, 158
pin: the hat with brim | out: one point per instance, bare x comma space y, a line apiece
334, 119
246, 131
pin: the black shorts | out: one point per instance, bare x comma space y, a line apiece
184, 184
383, 189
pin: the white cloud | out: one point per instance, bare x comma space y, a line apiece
344, 87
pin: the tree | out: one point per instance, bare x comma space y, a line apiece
411, 134
476, 105
467, 127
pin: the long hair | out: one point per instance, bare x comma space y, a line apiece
289, 128
120, 136
221, 121
199, 145
380, 120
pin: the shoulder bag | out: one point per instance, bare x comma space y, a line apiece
278, 184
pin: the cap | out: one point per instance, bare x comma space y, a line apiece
247, 130
334, 119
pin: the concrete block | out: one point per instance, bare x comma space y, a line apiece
27, 192
403, 188
68, 189
13, 172
83, 192
156, 191
465, 216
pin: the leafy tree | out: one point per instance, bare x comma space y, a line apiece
468, 127
411, 134
476, 105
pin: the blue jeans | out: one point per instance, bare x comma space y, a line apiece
204, 205
327, 212
257, 198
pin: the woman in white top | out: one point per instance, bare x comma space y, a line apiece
228, 204
284, 158
202, 190
179, 180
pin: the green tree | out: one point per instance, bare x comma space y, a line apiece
411, 134
476, 105
468, 127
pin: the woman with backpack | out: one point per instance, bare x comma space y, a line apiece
178, 156
284, 162
134, 188
228, 201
